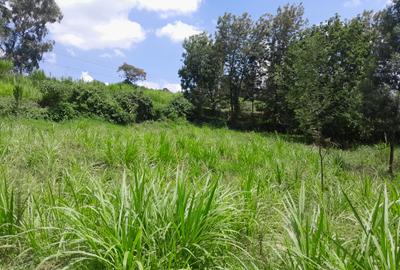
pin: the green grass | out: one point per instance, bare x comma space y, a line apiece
30, 92
90, 195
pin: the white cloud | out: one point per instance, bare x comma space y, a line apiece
173, 87
106, 55
177, 31
50, 58
170, 7
71, 52
119, 53
353, 3
150, 85
85, 76
97, 24
105, 24
358, 3
115, 53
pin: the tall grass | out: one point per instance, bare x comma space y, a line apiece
90, 195
313, 244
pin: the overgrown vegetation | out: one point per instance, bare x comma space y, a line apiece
89, 195
78, 191
337, 81
61, 100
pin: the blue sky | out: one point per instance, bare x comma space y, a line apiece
96, 36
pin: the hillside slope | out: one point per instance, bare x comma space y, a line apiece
163, 195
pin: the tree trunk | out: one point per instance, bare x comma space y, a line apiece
391, 159
236, 109
235, 104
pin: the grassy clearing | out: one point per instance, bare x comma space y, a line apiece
90, 195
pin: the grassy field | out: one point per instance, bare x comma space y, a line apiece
90, 195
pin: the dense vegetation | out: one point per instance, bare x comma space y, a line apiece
92, 195
39, 97
337, 80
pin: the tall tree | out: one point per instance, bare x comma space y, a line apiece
201, 74
388, 74
232, 40
131, 74
326, 68
383, 107
3, 13
256, 53
286, 27
24, 31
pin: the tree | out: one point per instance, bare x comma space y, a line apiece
382, 108
3, 21
327, 67
132, 74
24, 31
201, 73
388, 74
232, 40
256, 53
286, 27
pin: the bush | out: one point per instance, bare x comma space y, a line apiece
67, 100
135, 103
54, 92
180, 107
28, 109
97, 102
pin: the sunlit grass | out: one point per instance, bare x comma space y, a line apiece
90, 195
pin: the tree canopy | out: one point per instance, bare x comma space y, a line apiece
24, 28
132, 74
338, 80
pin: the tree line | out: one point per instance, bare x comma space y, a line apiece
338, 81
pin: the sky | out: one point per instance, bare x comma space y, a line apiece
97, 36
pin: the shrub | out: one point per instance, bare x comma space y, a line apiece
180, 107
63, 111
54, 92
97, 102
135, 103
67, 100
26, 109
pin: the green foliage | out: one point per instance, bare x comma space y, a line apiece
314, 245
175, 196
132, 74
93, 101
67, 100
17, 93
285, 29
201, 73
54, 92
8, 217
37, 77
24, 31
232, 39
137, 104
178, 108
323, 81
